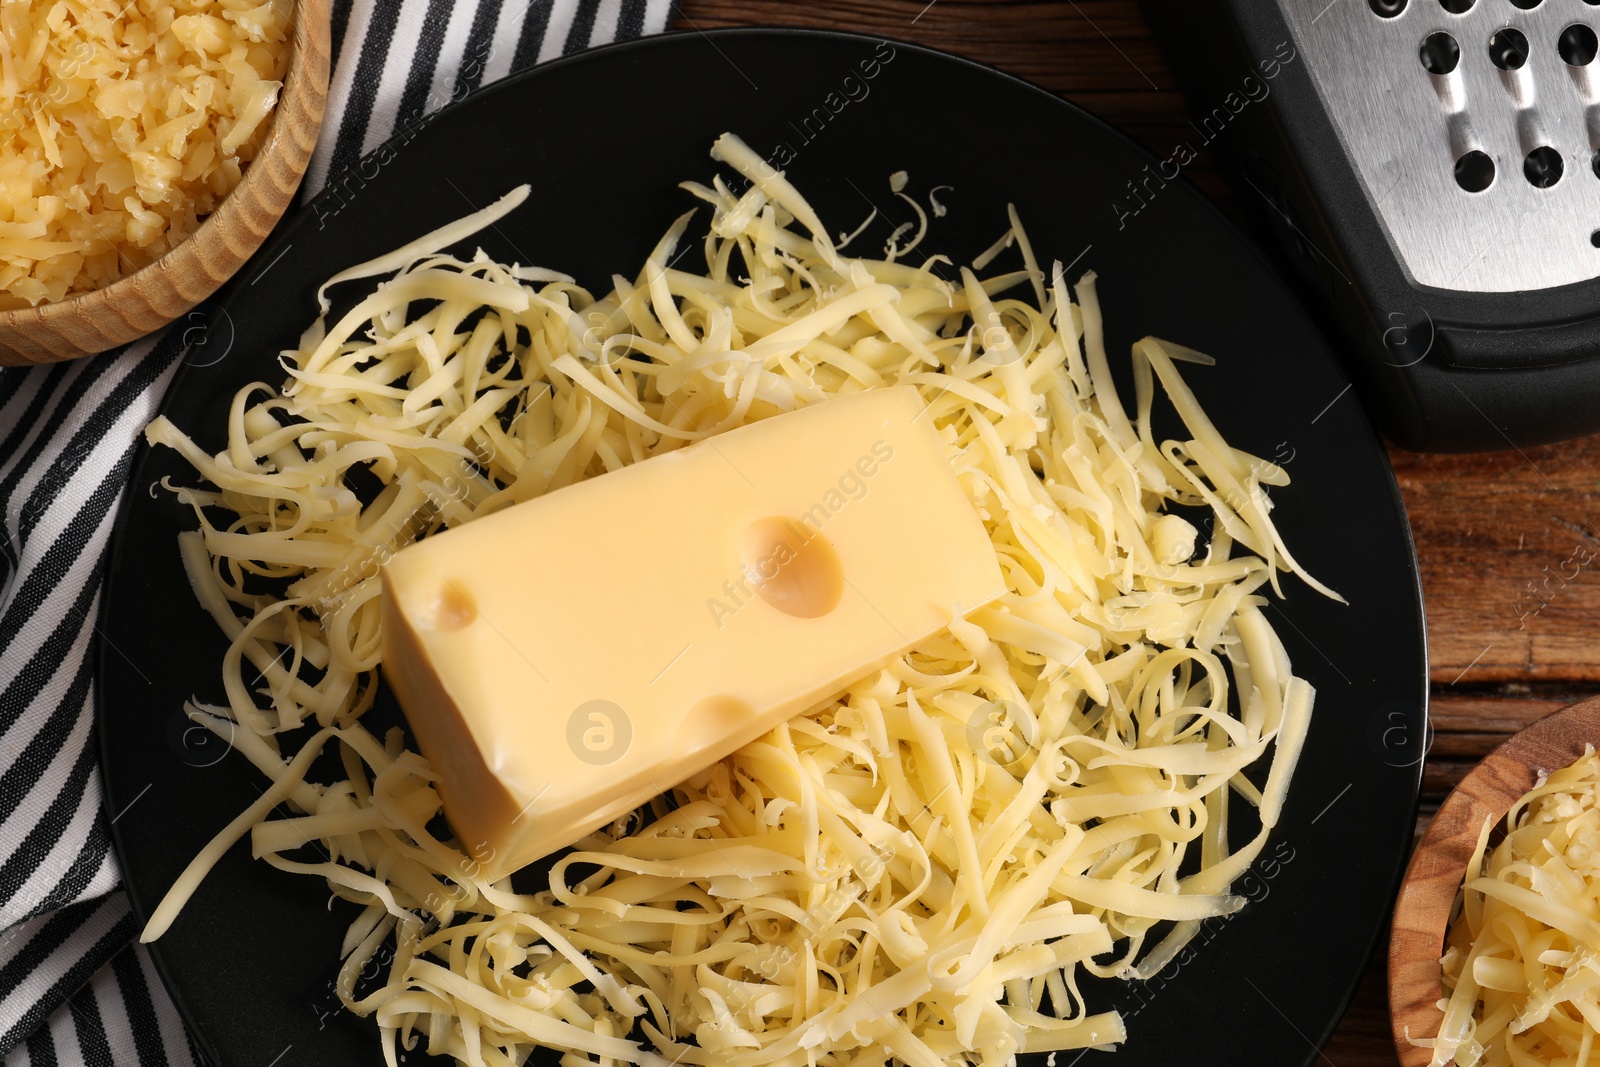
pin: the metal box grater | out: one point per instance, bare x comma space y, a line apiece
1431, 170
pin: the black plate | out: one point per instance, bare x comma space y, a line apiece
604, 138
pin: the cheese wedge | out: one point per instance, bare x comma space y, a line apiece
564, 660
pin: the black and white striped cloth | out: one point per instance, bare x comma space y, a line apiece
73, 988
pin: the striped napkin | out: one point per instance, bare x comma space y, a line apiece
74, 989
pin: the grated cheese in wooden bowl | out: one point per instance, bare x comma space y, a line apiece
1521, 968
122, 126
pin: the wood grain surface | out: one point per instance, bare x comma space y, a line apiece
1510, 557
159, 293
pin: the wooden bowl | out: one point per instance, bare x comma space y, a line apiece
159, 292
1428, 894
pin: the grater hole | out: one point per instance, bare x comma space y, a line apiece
1475, 171
1526, 5
1543, 167
1386, 9
1594, 238
1508, 49
1440, 53
1461, 7
1578, 45
1594, 164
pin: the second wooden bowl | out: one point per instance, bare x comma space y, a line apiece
157, 294
1427, 896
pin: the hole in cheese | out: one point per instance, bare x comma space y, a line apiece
453, 609
791, 568
712, 718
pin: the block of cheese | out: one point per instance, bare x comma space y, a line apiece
564, 660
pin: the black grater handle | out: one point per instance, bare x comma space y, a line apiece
1439, 370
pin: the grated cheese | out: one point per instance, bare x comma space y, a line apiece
122, 125
921, 869
1521, 968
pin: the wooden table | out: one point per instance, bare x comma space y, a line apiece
1510, 558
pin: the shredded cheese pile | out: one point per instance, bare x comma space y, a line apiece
122, 125
919, 871
1522, 957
